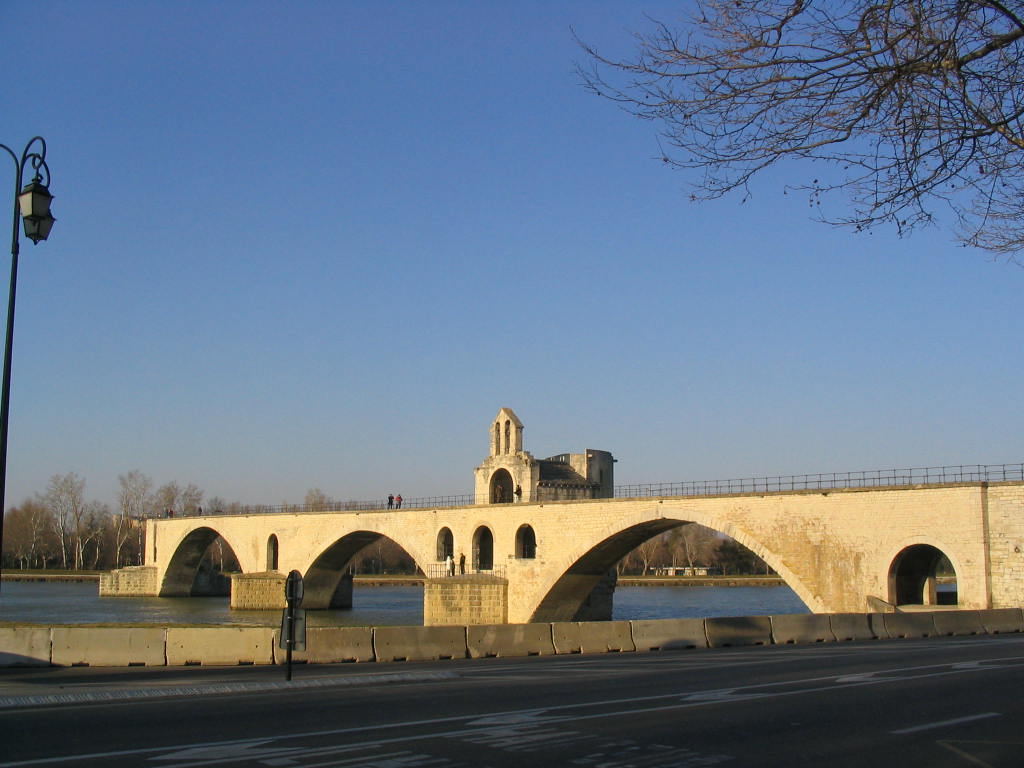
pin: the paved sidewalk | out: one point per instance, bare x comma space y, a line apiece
54, 686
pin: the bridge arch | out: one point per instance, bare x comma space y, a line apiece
326, 581
913, 575
582, 571
182, 578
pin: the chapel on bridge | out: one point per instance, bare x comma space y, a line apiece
512, 475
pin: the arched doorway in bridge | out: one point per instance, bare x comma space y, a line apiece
445, 544
483, 549
526, 543
272, 549
501, 487
922, 575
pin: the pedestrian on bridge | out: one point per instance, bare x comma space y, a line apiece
391, 500
398, 501
449, 565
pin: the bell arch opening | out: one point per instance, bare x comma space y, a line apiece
483, 549
502, 487
200, 565
922, 575
526, 543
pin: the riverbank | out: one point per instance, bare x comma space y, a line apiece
70, 577
388, 580
700, 581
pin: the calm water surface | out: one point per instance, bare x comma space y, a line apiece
79, 603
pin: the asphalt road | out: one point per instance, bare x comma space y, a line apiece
934, 702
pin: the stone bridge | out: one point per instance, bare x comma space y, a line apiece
527, 561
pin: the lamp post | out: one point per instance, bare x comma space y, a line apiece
32, 206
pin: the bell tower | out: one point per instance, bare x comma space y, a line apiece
509, 474
506, 433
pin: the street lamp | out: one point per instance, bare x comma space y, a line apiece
32, 206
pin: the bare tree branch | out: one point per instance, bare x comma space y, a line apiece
916, 106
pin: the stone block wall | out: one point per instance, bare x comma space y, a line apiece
468, 599
1006, 544
258, 591
134, 581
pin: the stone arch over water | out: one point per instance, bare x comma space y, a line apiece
589, 568
191, 570
327, 582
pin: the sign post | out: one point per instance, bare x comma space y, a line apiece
293, 621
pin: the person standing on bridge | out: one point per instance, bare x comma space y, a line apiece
449, 565
398, 501
391, 500
462, 562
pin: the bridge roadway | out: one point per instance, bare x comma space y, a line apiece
837, 548
933, 702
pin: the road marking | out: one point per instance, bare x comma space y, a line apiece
606, 708
944, 723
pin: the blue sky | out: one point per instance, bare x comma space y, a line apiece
321, 244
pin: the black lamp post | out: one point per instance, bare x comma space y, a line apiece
32, 206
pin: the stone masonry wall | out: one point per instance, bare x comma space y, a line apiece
134, 581
258, 591
835, 548
1006, 544
469, 599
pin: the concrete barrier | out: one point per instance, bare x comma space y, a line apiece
484, 640
916, 624
733, 631
851, 626
591, 636
24, 646
220, 646
606, 637
566, 637
999, 621
958, 623
668, 634
877, 622
802, 628
330, 645
419, 643
108, 646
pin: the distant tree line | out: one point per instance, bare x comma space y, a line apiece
61, 529
692, 546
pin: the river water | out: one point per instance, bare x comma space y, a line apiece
79, 603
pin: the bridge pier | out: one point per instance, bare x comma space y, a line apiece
470, 598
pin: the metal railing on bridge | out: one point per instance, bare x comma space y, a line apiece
440, 571
877, 478
964, 473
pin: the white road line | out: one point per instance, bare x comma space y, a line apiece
631, 706
944, 723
